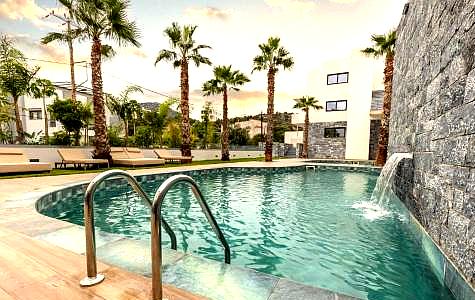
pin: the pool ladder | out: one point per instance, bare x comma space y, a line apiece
93, 277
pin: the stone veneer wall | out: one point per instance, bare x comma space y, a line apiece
374, 127
433, 116
321, 147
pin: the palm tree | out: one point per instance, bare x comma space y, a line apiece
15, 78
384, 46
305, 103
224, 80
42, 88
183, 49
67, 37
98, 19
272, 57
125, 107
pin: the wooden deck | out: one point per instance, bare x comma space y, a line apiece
31, 269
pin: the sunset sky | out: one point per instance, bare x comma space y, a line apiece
314, 31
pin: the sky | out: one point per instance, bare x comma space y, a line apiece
313, 31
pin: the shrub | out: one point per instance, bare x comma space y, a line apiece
61, 138
143, 136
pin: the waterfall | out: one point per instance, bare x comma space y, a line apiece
386, 177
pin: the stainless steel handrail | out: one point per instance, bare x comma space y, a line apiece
92, 276
156, 234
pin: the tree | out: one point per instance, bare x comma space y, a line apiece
15, 78
125, 107
272, 57
69, 113
157, 119
87, 117
183, 49
6, 116
206, 113
67, 37
224, 80
40, 89
98, 19
305, 103
383, 45
239, 136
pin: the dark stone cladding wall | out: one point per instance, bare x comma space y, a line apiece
321, 147
433, 116
374, 127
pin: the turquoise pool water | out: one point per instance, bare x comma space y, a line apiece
317, 228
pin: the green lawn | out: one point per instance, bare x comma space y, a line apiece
69, 171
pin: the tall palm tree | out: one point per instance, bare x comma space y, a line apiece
305, 103
98, 19
383, 45
183, 49
272, 57
225, 79
125, 107
40, 89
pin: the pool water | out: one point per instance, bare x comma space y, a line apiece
318, 228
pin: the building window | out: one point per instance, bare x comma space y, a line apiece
339, 105
52, 123
35, 114
335, 132
337, 78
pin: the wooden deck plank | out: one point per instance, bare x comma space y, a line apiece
31, 269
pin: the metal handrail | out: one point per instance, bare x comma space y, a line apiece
92, 276
156, 234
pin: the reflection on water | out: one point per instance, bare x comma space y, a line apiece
318, 228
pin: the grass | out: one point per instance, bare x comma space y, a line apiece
56, 172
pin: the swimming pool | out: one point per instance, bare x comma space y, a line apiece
317, 228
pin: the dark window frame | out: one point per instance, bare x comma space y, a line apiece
337, 81
38, 112
328, 136
336, 105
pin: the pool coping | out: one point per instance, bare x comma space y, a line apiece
39, 226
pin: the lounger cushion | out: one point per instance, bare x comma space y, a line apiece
138, 161
86, 161
24, 167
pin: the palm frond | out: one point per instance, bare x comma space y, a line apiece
166, 55
54, 36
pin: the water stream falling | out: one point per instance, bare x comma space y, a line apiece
386, 177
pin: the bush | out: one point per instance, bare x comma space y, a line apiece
143, 136
61, 138
114, 139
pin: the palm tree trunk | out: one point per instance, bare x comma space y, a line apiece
185, 110
71, 62
305, 135
225, 134
126, 126
46, 122
18, 124
270, 113
101, 141
382, 150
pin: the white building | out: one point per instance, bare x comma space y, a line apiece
32, 112
254, 127
350, 90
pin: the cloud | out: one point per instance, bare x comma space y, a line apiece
37, 49
18, 10
293, 5
208, 12
134, 51
343, 1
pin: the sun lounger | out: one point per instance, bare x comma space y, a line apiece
167, 156
13, 160
133, 157
78, 157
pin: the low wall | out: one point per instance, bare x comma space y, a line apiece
50, 154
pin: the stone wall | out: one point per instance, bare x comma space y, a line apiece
433, 116
374, 127
322, 147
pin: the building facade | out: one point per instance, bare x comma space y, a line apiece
254, 127
32, 112
350, 91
